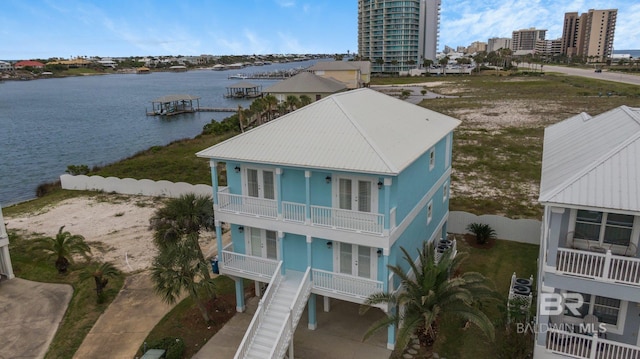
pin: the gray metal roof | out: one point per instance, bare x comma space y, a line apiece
307, 82
593, 161
360, 130
243, 85
172, 98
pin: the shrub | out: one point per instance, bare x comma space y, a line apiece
45, 188
77, 170
483, 232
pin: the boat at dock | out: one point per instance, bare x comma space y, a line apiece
239, 76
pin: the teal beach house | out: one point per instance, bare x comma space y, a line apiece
319, 202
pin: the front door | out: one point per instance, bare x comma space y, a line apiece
262, 243
355, 260
260, 183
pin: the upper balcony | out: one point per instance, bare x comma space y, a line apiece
594, 245
301, 213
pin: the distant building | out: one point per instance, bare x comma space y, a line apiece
525, 39
590, 34
398, 35
354, 74
306, 83
5, 66
73, 63
28, 63
548, 48
497, 43
476, 46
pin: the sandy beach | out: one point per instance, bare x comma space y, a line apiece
115, 226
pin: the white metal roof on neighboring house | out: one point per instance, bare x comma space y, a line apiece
307, 82
593, 161
360, 131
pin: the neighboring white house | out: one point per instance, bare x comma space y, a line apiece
6, 270
589, 265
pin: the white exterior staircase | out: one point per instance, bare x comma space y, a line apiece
272, 327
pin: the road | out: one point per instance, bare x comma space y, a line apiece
604, 75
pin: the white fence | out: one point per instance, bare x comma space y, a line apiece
143, 187
517, 230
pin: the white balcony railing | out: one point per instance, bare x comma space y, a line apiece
351, 286
599, 266
294, 212
364, 222
347, 219
588, 347
247, 205
245, 264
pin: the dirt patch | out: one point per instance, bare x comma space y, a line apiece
470, 239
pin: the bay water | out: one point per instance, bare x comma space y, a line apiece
48, 124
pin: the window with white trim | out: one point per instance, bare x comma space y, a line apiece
609, 311
603, 228
432, 158
429, 212
445, 191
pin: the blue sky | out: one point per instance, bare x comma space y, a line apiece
68, 28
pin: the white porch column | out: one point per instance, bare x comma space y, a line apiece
281, 249
214, 182
279, 191
307, 211
387, 204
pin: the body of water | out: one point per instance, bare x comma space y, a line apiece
48, 124
634, 53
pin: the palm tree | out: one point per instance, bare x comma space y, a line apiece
181, 220
100, 274
443, 62
258, 107
272, 103
179, 268
305, 100
63, 247
429, 292
293, 102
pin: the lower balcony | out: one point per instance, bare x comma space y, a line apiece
584, 346
319, 216
599, 266
336, 285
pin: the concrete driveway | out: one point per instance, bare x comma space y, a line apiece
30, 313
122, 328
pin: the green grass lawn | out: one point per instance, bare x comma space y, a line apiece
497, 264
